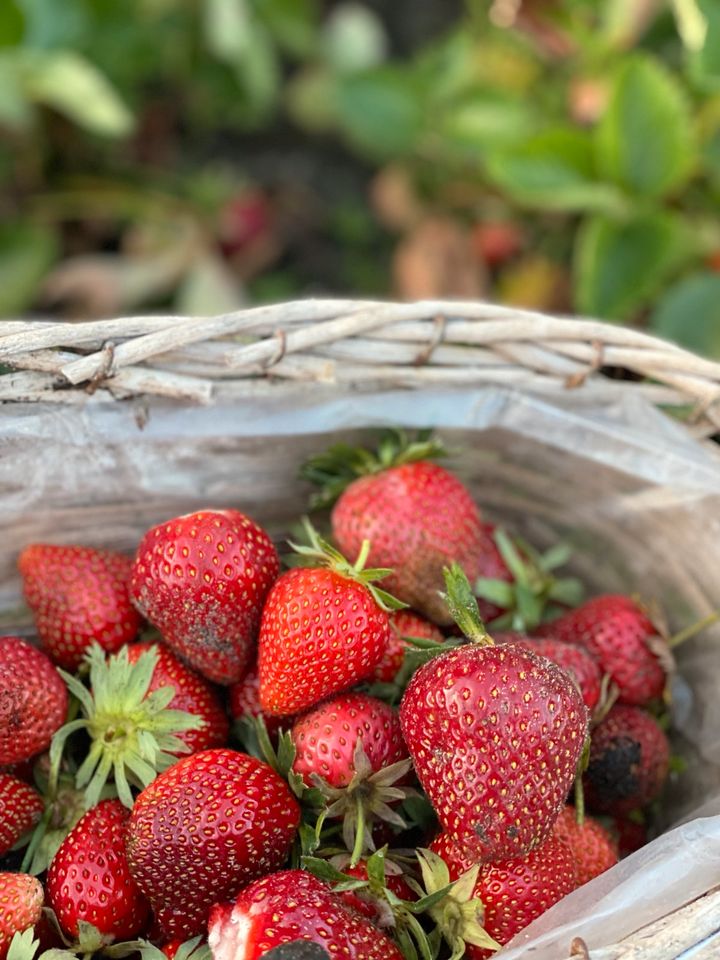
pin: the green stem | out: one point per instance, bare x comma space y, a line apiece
579, 801
362, 556
359, 832
693, 629
38, 834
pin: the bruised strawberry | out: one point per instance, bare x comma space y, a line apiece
21, 901
202, 579
594, 849
21, 807
89, 879
193, 694
79, 596
33, 700
203, 829
403, 623
629, 761
578, 662
293, 906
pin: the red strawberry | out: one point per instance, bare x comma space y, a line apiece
201, 579
418, 518
203, 829
21, 901
193, 694
323, 629
578, 662
79, 596
630, 834
21, 807
624, 640
513, 892
495, 733
244, 701
287, 907
629, 761
89, 877
363, 900
33, 700
594, 849
404, 623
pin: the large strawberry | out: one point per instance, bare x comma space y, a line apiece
193, 694
204, 828
495, 733
79, 596
202, 579
21, 901
89, 879
33, 700
351, 747
626, 643
293, 906
629, 761
323, 629
594, 849
21, 806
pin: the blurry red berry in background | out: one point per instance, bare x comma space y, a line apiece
497, 242
243, 220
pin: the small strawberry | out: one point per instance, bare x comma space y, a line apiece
495, 733
578, 662
21, 901
89, 879
367, 901
404, 623
352, 749
193, 695
417, 516
204, 828
33, 700
618, 632
323, 629
594, 849
293, 906
244, 703
202, 579
21, 807
79, 596
629, 761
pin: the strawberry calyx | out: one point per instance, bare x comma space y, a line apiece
336, 468
24, 946
133, 734
324, 554
533, 587
463, 606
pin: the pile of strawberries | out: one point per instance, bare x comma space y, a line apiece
211, 750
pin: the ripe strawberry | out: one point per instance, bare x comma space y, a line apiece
323, 629
404, 623
21, 901
495, 733
594, 849
629, 761
21, 807
89, 877
578, 662
33, 700
79, 596
204, 828
364, 900
193, 694
244, 702
202, 579
351, 747
289, 906
623, 639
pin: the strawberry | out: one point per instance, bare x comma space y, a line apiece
33, 700
618, 632
193, 694
495, 733
364, 900
629, 761
89, 879
244, 703
293, 906
578, 662
204, 828
594, 849
79, 596
21, 806
404, 623
202, 579
630, 834
351, 747
323, 629
513, 892
21, 901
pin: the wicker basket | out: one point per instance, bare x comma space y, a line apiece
91, 410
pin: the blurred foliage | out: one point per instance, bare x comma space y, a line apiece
201, 154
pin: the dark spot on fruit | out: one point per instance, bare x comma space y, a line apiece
481, 832
612, 775
512, 831
297, 950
